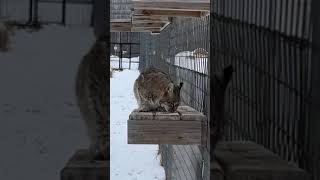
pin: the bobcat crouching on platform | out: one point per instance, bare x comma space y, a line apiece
155, 91
4, 37
92, 97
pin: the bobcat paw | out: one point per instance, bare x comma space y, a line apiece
143, 110
161, 109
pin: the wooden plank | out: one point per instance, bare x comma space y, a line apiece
182, 127
185, 113
120, 21
200, 5
143, 18
170, 13
249, 161
164, 26
122, 25
164, 132
80, 167
153, 25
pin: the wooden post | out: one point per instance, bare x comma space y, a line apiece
120, 55
101, 18
30, 11
130, 51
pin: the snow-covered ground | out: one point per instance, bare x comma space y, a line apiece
41, 127
129, 162
40, 122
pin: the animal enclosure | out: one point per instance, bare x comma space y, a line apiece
182, 51
273, 97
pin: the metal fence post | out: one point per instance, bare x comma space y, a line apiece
64, 12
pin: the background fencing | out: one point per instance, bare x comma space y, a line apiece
125, 50
67, 12
273, 98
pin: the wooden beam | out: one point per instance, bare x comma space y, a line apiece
148, 17
182, 127
148, 29
120, 25
187, 5
170, 13
157, 25
163, 27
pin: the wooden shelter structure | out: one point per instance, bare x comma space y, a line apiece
154, 15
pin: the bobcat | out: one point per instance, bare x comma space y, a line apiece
92, 96
154, 91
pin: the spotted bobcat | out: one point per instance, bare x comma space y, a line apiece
92, 98
155, 91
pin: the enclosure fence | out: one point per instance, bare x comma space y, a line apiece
273, 97
125, 50
66, 12
181, 50
269, 100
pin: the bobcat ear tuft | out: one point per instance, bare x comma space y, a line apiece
181, 84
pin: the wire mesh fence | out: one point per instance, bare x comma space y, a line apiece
271, 100
270, 45
125, 50
182, 51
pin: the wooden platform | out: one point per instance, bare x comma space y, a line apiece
182, 5
139, 24
80, 168
183, 127
250, 161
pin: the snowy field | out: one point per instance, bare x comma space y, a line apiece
129, 162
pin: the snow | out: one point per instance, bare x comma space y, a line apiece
129, 162
189, 60
114, 62
40, 122
41, 126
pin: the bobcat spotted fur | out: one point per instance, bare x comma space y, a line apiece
92, 98
155, 91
